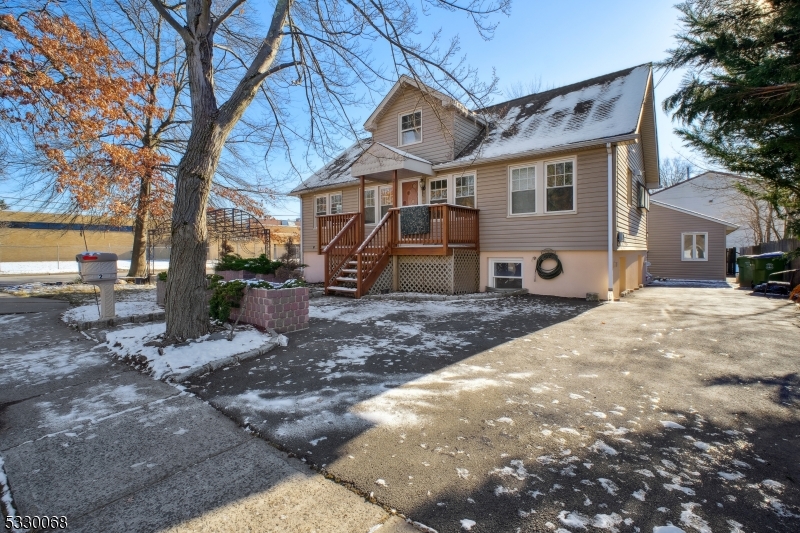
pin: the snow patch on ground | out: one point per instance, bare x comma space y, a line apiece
130, 342
86, 313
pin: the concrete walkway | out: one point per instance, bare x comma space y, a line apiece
10, 305
88, 438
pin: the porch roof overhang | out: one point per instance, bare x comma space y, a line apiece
380, 160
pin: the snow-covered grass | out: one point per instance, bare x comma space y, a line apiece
61, 267
129, 343
129, 302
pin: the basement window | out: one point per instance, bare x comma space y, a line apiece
506, 274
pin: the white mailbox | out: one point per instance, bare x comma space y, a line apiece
100, 268
97, 266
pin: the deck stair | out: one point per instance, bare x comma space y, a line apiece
353, 264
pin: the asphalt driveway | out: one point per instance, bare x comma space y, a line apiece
678, 406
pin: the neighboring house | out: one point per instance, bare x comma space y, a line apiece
715, 194
684, 244
567, 169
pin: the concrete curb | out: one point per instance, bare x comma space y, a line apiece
118, 321
219, 363
444, 297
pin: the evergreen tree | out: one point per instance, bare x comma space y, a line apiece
739, 104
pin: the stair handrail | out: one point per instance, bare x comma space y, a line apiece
330, 272
363, 272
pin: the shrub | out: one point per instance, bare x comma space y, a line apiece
256, 265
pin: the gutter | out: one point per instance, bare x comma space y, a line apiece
619, 139
610, 295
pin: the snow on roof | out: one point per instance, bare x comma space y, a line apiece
337, 171
598, 108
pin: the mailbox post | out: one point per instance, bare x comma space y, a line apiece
100, 268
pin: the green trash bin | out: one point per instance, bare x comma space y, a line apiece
745, 263
766, 264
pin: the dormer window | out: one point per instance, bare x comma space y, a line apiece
411, 128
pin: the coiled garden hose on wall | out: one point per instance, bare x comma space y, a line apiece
553, 272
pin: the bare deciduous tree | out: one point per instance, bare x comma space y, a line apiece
674, 170
316, 58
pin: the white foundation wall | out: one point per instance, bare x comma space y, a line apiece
315, 271
584, 272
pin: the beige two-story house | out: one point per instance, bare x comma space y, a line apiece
546, 193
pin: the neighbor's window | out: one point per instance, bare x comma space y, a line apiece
336, 204
438, 192
523, 190
560, 187
411, 128
506, 274
465, 191
322, 206
386, 200
694, 246
369, 206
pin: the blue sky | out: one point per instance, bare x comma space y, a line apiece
566, 41
560, 42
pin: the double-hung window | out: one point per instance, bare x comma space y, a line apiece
506, 274
369, 206
523, 190
560, 187
465, 190
321, 203
438, 191
336, 204
386, 200
411, 128
694, 246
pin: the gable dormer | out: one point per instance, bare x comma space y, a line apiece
422, 121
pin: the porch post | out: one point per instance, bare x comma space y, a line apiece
396, 217
362, 210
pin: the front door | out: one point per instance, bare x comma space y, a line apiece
410, 192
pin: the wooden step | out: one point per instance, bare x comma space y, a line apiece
350, 270
347, 280
342, 289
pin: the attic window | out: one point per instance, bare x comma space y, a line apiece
411, 128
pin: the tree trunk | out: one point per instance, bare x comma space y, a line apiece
186, 305
140, 227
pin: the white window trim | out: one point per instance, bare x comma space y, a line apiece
377, 190
327, 197
493, 260
574, 209
474, 175
450, 191
400, 127
451, 186
694, 241
541, 187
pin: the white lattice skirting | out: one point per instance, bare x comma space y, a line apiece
432, 274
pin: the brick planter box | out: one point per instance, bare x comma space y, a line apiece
283, 310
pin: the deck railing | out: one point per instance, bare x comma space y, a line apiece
374, 253
329, 226
342, 246
449, 224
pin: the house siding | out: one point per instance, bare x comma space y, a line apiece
649, 137
630, 219
349, 204
665, 249
584, 230
437, 125
465, 131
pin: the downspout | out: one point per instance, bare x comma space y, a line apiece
610, 295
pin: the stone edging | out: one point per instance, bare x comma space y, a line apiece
118, 321
219, 363
399, 296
